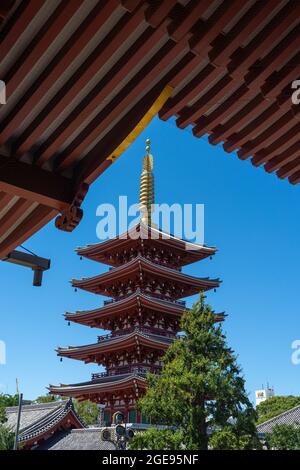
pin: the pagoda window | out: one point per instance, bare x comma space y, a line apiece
132, 416
107, 417
145, 419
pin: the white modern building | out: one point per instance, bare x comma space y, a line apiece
263, 394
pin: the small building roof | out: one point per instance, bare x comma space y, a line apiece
291, 417
78, 439
41, 419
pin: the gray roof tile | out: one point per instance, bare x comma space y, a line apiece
38, 418
78, 439
291, 417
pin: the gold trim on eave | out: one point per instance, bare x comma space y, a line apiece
146, 119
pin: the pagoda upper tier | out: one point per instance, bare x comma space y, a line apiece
136, 310
150, 243
150, 277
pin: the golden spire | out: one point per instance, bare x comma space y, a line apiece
147, 187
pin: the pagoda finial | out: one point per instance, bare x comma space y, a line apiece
147, 186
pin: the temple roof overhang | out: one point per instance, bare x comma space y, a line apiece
124, 342
83, 79
105, 283
42, 420
141, 236
111, 384
125, 306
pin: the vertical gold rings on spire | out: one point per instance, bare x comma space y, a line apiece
147, 187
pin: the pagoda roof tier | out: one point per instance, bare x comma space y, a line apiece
141, 269
141, 237
126, 306
96, 318
99, 387
120, 343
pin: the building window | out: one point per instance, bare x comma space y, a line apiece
145, 419
107, 418
132, 416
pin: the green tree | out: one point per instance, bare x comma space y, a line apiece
274, 406
200, 386
6, 435
284, 437
5, 401
2, 415
87, 410
47, 398
157, 439
6, 438
8, 400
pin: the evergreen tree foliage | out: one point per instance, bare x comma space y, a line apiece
284, 437
200, 388
87, 411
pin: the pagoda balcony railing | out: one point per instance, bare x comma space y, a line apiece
145, 330
134, 369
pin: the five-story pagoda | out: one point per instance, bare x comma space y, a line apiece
145, 284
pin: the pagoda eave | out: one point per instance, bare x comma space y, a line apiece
128, 305
89, 353
113, 384
102, 283
139, 236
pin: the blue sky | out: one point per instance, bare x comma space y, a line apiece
252, 217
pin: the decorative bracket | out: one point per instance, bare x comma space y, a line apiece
70, 218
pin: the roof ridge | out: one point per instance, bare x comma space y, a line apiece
35, 406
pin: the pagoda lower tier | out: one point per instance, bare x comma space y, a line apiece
151, 278
117, 393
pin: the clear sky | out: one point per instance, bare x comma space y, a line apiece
252, 217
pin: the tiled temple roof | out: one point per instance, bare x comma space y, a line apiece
36, 419
78, 439
291, 417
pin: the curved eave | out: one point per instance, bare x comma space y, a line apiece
50, 423
77, 390
113, 344
94, 284
191, 252
122, 306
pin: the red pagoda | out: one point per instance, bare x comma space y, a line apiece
145, 283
